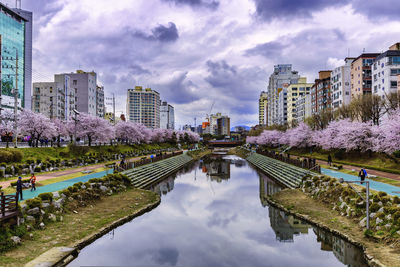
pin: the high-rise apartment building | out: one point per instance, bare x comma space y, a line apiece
283, 74
84, 85
262, 108
303, 108
294, 92
224, 126
282, 105
167, 116
321, 92
49, 99
143, 106
15, 46
385, 71
360, 71
341, 84
100, 112
64, 82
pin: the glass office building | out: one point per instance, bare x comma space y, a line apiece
12, 46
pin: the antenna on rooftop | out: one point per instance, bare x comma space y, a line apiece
18, 4
363, 50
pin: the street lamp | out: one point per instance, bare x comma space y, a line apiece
76, 121
341, 180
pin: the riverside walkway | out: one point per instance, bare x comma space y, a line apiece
374, 185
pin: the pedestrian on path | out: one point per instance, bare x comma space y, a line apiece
329, 160
19, 189
362, 174
33, 182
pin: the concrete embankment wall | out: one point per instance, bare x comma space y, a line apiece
288, 175
144, 176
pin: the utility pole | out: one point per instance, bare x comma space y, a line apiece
16, 101
113, 108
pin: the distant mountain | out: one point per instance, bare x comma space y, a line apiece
244, 126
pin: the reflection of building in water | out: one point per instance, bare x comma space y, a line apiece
218, 170
267, 187
165, 186
345, 252
286, 226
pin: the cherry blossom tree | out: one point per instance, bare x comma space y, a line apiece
94, 128
7, 125
388, 134
36, 125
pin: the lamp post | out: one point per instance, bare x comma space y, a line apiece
76, 121
341, 180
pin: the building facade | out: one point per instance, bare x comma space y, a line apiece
143, 106
321, 92
294, 92
167, 116
303, 108
361, 75
262, 108
49, 99
15, 57
100, 112
341, 84
64, 81
283, 74
224, 126
282, 105
385, 71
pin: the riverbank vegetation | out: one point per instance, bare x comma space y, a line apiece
88, 207
198, 154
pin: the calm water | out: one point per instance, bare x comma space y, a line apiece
213, 213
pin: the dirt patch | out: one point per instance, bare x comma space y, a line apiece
386, 252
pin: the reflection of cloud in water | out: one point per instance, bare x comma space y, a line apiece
166, 256
221, 220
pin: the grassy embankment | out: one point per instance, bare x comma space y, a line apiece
374, 161
198, 154
299, 203
77, 226
239, 152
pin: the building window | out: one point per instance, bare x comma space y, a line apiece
393, 84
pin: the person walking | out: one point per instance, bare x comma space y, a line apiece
19, 189
362, 174
33, 182
329, 160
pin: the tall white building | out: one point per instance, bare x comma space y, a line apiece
282, 105
167, 116
100, 112
303, 108
385, 69
143, 106
283, 74
262, 108
64, 82
341, 84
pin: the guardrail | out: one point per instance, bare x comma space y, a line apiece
306, 163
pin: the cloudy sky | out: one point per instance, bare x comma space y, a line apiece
195, 52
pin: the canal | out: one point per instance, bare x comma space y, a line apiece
214, 213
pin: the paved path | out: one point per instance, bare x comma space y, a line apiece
378, 186
28, 194
369, 171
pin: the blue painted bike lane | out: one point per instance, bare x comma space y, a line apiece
27, 194
378, 186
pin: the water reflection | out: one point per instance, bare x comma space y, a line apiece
286, 227
205, 222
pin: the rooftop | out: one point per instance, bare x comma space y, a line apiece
6, 9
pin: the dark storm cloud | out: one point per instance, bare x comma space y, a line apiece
289, 9
378, 9
160, 33
137, 69
166, 34
211, 4
270, 49
166, 256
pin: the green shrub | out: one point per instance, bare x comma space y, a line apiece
374, 207
46, 196
37, 169
368, 233
34, 203
382, 194
396, 200
10, 156
38, 161
77, 150
396, 216
8, 170
396, 153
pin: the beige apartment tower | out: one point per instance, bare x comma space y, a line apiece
143, 106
